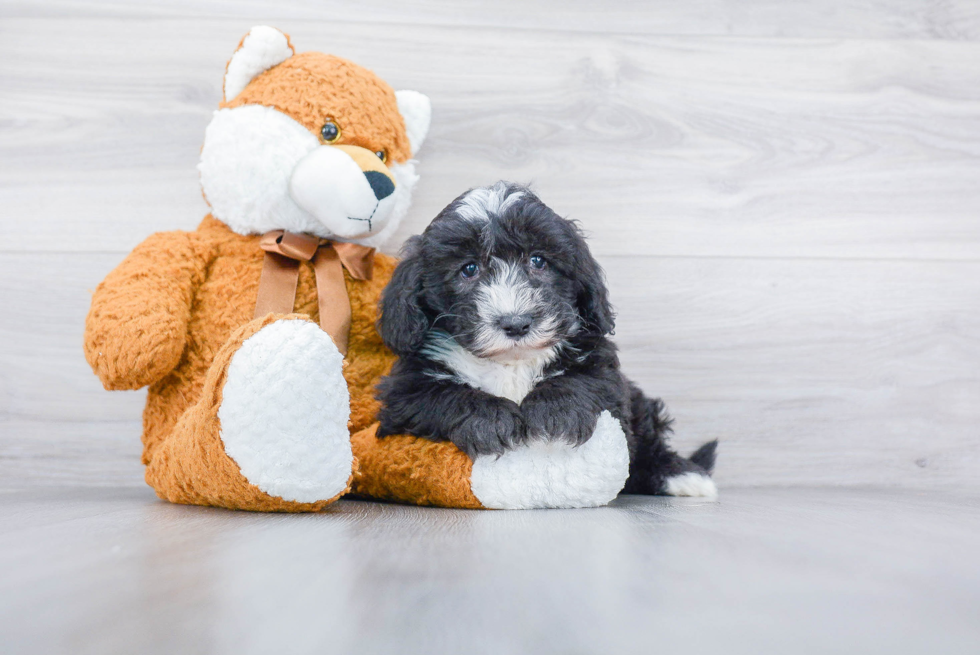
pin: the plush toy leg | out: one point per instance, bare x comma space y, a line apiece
556, 474
408, 469
269, 432
540, 475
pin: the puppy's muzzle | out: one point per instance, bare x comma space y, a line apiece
515, 326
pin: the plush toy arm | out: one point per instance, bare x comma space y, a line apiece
137, 326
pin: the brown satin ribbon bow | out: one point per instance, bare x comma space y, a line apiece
280, 275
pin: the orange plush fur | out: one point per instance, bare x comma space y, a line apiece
333, 88
166, 316
175, 312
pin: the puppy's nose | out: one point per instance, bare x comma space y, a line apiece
380, 183
515, 325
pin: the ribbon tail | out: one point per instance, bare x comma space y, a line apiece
357, 259
332, 299
277, 285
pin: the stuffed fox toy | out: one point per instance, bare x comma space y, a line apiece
256, 334
252, 407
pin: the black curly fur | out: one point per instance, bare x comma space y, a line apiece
427, 298
651, 459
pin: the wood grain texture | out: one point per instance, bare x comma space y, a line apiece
815, 372
762, 571
889, 19
43, 452
658, 145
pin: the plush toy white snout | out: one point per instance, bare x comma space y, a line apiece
346, 188
262, 170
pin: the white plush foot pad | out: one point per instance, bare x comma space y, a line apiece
691, 484
555, 474
284, 412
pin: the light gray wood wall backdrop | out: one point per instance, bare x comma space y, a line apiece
785, 196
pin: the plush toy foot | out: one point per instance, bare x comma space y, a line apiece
407, 469
542, 474
556, 474
270, 430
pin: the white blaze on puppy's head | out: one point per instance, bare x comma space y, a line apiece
483, 202
310, 143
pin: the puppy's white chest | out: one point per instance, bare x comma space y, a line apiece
512, 380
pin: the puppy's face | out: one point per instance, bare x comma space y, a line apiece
501, 273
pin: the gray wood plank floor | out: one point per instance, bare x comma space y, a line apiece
762, 571
786, 197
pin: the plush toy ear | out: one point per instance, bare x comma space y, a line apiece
416, 109
403, 322
261, 49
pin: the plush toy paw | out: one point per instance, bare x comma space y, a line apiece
556, 473
284, 413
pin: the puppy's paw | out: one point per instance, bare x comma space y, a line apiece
559, 421
496, 428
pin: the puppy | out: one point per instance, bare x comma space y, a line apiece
500, 317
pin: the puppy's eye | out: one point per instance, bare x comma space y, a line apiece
470, 270
538, 262
382, 155
330, 131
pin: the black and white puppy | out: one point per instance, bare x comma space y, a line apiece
500, 317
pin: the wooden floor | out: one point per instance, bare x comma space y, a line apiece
786, 198
762, 571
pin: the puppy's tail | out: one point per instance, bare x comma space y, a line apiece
650, 419
652, 425
705, 456
654, 467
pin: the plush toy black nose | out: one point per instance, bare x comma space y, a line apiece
515, 325
380, 183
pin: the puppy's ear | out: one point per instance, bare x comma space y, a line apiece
402, 322
593, 297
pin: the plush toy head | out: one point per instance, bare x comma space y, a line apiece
310, 143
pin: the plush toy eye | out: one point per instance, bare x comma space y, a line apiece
382, 155
470, 270
538, 262
330, 132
